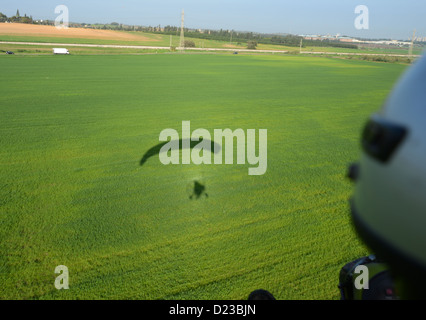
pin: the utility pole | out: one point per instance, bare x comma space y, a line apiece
410, 51
182, 36
301, 41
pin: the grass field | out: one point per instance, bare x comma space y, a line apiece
18, 32
73, 192
164, 41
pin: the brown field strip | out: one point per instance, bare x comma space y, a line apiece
21, 29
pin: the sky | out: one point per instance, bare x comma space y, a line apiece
395, 19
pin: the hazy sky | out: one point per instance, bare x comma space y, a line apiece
387, 18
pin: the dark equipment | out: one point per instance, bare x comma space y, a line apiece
381, 285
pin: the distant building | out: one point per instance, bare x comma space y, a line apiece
346, 39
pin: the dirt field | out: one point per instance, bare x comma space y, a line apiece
22, 29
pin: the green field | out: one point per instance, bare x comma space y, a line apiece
147, 39
73, 130
161, 40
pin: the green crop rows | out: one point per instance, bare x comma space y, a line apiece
73, 130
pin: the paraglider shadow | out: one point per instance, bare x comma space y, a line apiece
199, 190
214, 147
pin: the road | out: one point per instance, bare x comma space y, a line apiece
198, 49
134, 47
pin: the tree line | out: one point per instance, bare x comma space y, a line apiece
16, 18
249, 38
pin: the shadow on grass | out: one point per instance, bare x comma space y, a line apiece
214, 147
199, 190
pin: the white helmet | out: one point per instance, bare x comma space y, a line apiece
389, 203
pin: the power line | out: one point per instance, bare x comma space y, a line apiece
410, 51
182, 36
